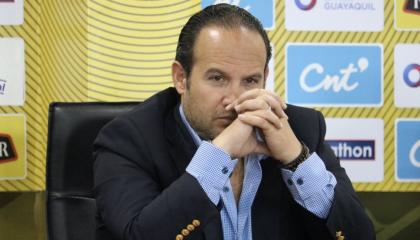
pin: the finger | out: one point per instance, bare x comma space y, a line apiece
254, 93
261, 119
276, 106
252, 105
261, 102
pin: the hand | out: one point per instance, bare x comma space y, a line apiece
239, 140
265, 110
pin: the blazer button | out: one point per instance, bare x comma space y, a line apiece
190, 227
179, 237
196, 223
185, 232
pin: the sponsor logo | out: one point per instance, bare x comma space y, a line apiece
2, 86
407, 15
345, 5
334, 15
7, 148
335, 83
12, 146
324, 75
11, 12
12, 71
305, 7
338, 5
407, 75
261, 9
407, 149
413, 69
353, 149
358, 143
412, 154
412, 6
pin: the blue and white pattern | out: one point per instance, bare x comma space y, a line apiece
311, 185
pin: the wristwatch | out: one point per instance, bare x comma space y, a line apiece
304, 154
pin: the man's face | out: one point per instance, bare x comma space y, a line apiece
227, 62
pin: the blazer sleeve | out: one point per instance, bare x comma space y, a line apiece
347, 215
130, 198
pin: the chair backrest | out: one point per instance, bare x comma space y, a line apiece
72, 128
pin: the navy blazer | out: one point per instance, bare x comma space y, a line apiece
143, 192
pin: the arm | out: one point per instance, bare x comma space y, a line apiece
346, 213
131, 197
326, 192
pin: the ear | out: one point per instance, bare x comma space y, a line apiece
179, 77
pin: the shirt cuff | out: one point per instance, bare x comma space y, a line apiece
311, 177
211, 166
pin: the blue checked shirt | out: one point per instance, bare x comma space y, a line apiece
311, 185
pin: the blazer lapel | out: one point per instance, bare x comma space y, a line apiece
182, 149
181, 145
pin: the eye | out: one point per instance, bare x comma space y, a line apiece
216, 78
251, 81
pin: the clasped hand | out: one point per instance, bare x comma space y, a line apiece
262, 109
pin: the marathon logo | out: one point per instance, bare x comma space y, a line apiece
412, 6
7, 149
353, 149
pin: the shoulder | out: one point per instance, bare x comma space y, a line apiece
144, 120
308, 124
297, 113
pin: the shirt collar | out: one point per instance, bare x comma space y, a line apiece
194, 135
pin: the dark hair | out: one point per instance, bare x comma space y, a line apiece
223, 15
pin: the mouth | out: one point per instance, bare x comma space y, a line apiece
226, 120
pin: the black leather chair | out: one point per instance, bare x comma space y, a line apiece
72, 128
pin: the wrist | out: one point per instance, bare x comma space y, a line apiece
222, 145
303, 155
293, 152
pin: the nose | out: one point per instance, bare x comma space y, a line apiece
231, 93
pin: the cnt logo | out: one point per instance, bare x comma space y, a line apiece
7, 148
305, 5
334, 75
411, 75
353, 149
336, 83
412, 6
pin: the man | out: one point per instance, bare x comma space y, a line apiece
218, 157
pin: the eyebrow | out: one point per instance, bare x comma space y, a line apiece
216, 70
255, 75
